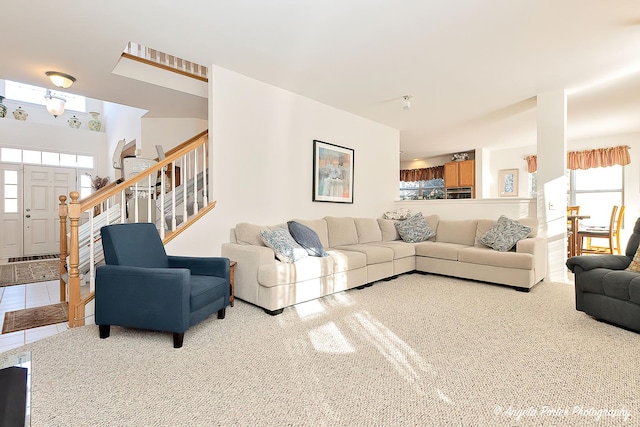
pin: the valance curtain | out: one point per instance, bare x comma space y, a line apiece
587, 159
424, 174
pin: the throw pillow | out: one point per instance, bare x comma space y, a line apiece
504, 234
286, 249
414, 229
635, 262
307, 238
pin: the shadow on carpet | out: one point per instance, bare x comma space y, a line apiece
35, 317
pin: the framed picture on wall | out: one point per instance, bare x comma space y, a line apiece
332, 173
508, 181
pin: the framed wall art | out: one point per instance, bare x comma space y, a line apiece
508, 182
332, 173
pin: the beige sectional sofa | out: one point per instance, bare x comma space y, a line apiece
366, 250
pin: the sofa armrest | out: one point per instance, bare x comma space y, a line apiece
249, 259
202, 266
586, 263
146, 298
536, 246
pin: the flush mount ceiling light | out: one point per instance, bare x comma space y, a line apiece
406, 104
55, 104
61, 80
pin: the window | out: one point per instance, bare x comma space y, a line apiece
596, 191
422, 190
86, 187
14, 155
35, 95
10, 191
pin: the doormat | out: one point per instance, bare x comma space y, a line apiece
35, 317
33, 258
29, 272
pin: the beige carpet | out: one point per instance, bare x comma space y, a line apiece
29, 272
35, 317
421, 350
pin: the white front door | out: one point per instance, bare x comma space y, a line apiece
42, 187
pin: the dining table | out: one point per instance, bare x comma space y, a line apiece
573, 230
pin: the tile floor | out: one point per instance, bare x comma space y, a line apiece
19, 297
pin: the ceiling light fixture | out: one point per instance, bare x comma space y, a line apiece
61, 80
406, 104
55, 104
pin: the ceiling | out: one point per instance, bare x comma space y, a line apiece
472, 67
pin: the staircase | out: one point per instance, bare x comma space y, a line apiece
151, 196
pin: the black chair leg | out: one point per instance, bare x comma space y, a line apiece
104, 330
222, 312
178, 339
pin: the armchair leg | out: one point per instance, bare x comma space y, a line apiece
222, 312
104, 330
178, 339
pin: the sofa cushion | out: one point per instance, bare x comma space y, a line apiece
347, 260
439, 250
504, 234
487, 256
634, 290
342, 231
460, 232
319, 226
414, 229
388, 230
400, 249
285, 247
368, 230
249, 234
307, 238
616, 284
375, 254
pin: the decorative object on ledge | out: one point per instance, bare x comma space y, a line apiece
332, 173
95, 124
20, 114
55, 104
74, 122
508, 181
3, 108
459, 157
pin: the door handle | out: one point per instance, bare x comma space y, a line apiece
28, 216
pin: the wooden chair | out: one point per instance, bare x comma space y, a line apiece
571, 210
610, 233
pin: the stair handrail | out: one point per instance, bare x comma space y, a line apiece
70, 288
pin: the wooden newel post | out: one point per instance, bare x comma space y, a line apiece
74, 257
62, 212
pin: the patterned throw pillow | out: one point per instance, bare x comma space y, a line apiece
414, 229
307, 238
286, 249
504, 234
635, 262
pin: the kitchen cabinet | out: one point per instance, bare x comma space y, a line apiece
460, 174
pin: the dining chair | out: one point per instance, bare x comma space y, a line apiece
611, 234
571, 210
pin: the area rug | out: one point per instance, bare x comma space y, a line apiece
35, 317
29, 272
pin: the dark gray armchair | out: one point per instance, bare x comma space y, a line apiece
605, 289
141, 287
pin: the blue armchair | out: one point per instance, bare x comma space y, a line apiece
141, 287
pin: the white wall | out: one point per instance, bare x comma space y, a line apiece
512, 158
168, 132
261, 142
122, 122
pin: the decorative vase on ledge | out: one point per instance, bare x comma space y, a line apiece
94, 123
20, 114
74, 122
3, 108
